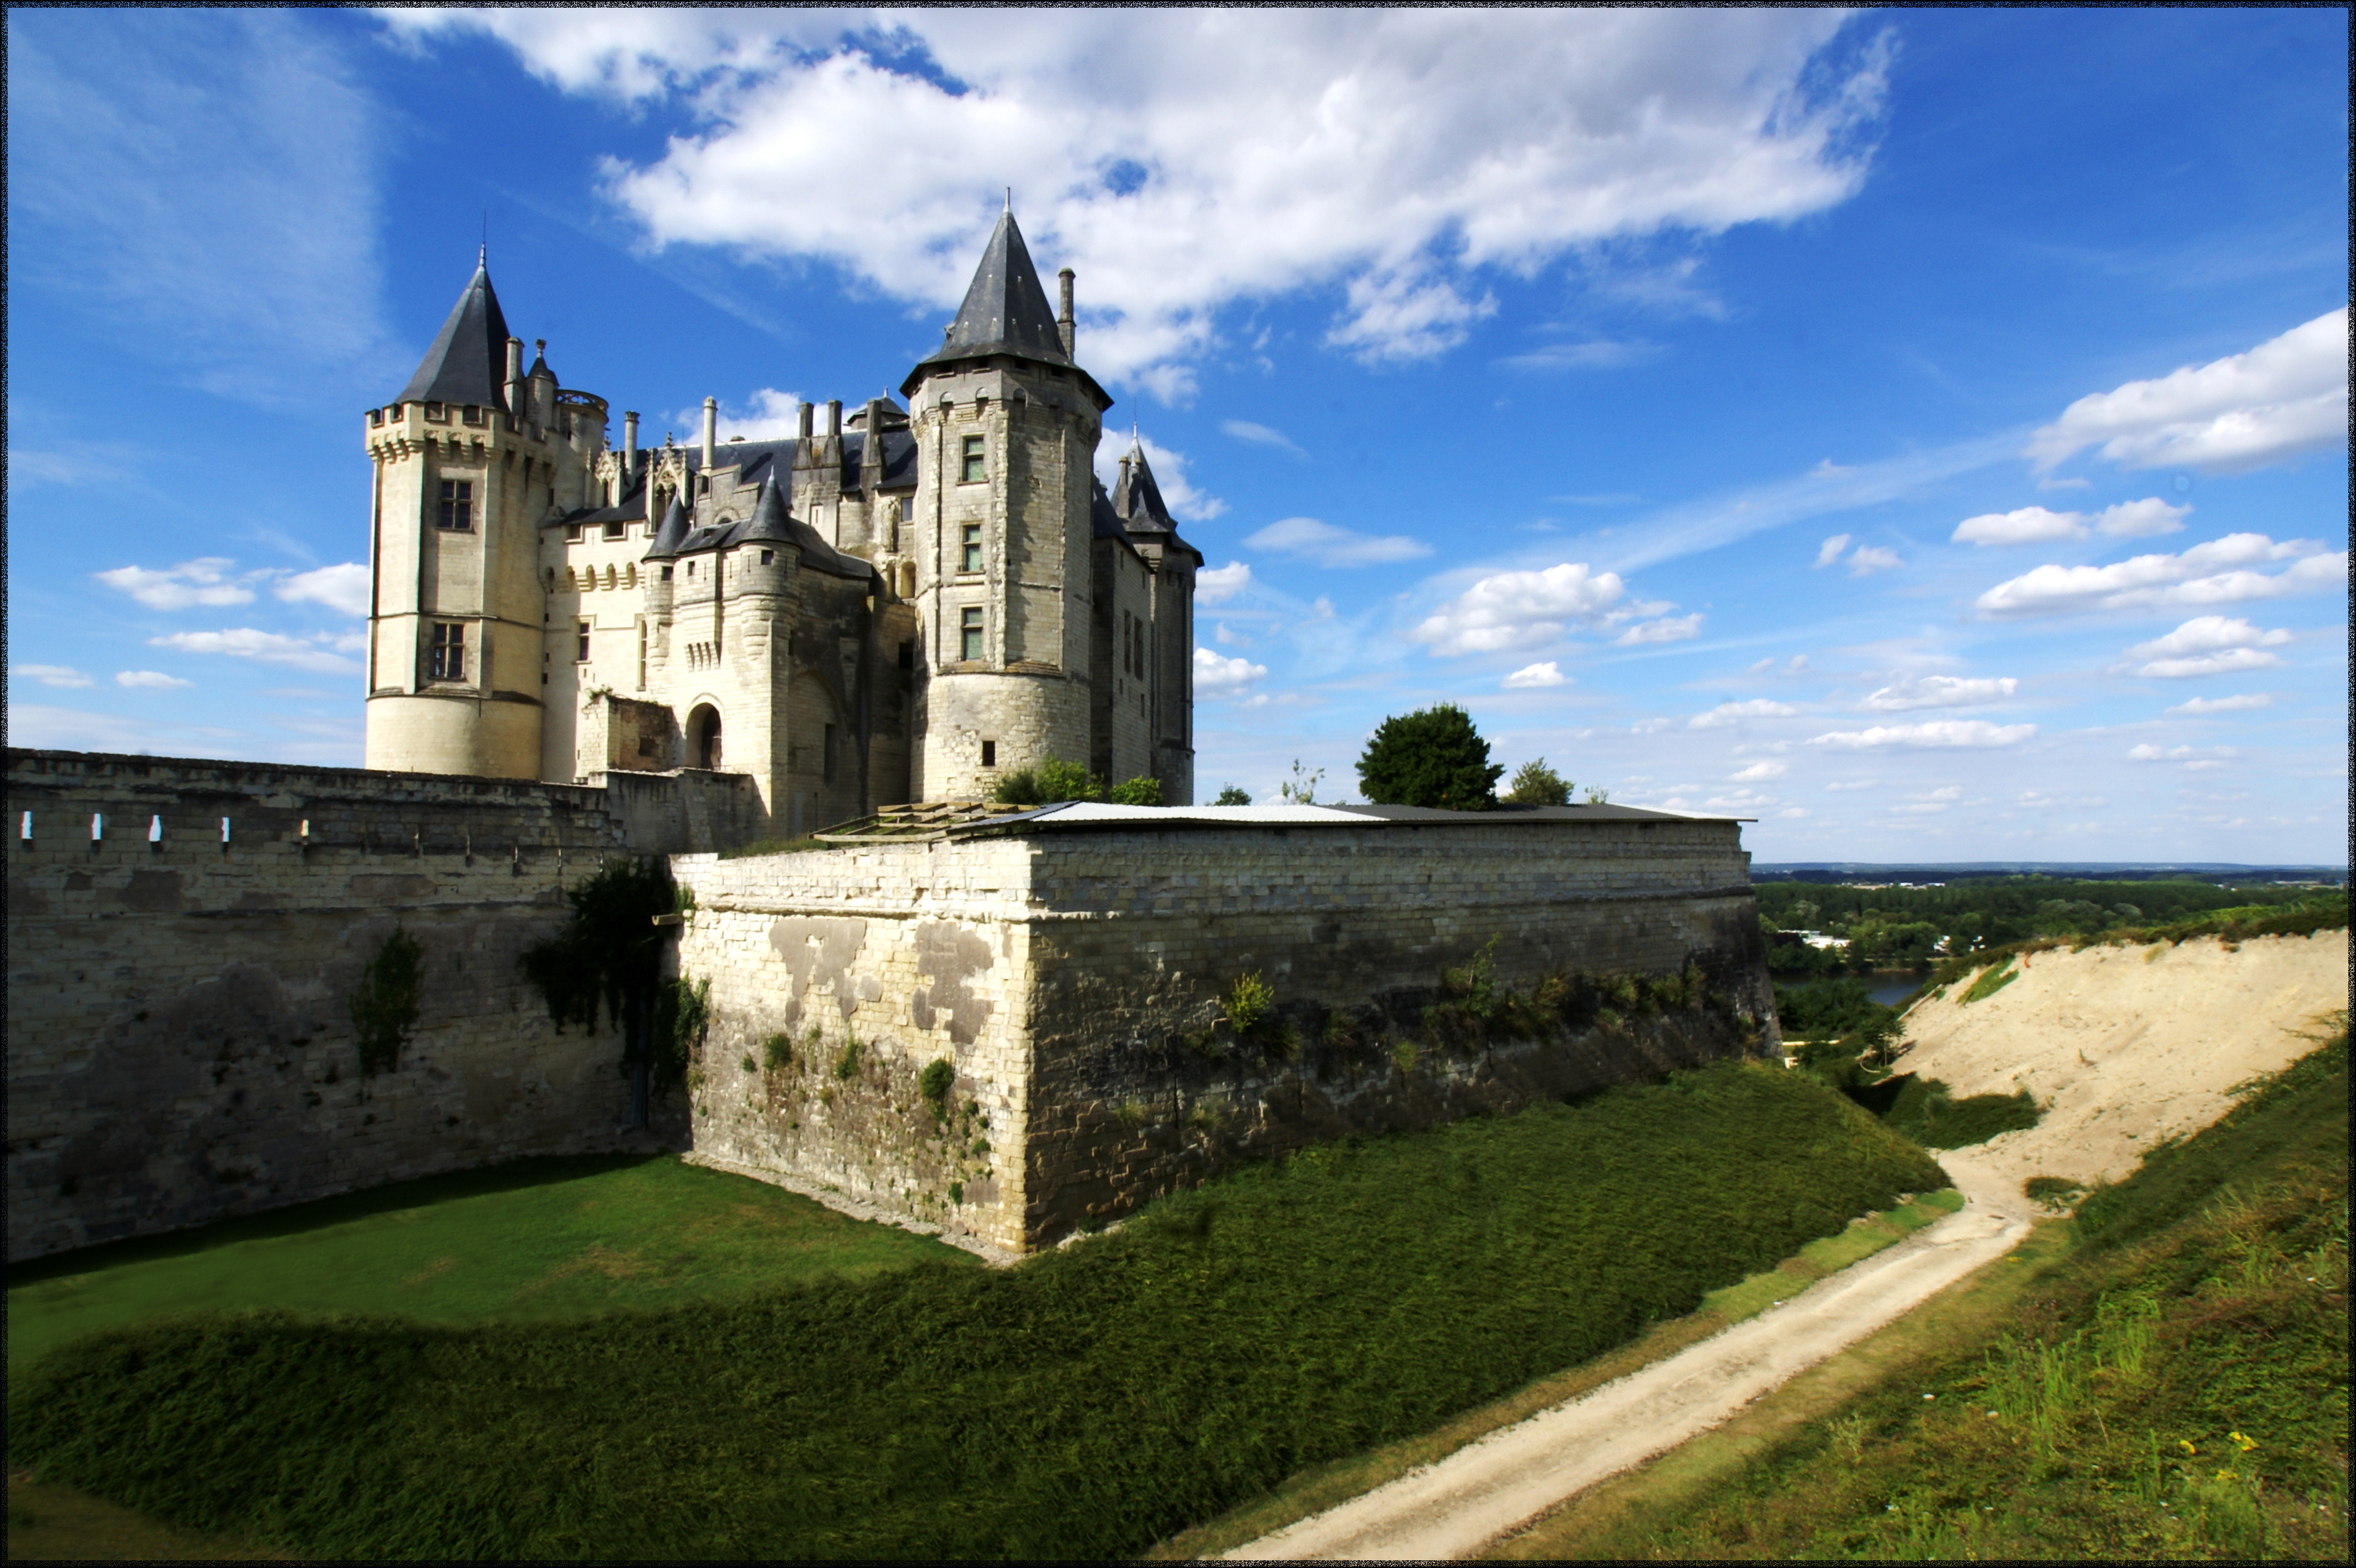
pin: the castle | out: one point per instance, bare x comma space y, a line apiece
904, 604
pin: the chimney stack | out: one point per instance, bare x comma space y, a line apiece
711, 432
515, 379
834, 418
629, 447
809, 419
1066, 327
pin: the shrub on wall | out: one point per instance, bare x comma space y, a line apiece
384, 1007
609, 953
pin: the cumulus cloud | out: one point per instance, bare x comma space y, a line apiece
1516, 609
150, 680
340, 587
1220, 583
1726, 713
1329, 546
51, 674
2193, 758
1531, 676
1260, 435
266, 647
2036, 525
1759, 771
2285, 397
1398, 158
1934, 733
1216, 676
1863, 561
2228, 661
1939, 692
2246, 703
1669, 628
767, 415
2217, 573
203, 581
1831, 549
2209, 645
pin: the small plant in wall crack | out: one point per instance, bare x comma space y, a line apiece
777, 1051
935, 1083
846, 1063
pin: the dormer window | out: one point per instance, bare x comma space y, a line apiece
457, 504
473, 414
434, 412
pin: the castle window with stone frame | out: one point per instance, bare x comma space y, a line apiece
969, 635
969, 548
457, 507
473, 414
617, 530
826, 755
449, 656
581, 633
977, 466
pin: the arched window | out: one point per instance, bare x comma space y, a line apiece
703, 737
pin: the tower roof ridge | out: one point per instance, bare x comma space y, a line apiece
467, 364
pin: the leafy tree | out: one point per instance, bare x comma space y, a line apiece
1536, 784
1232, 796
1137, 791
1054, 779
1432, 756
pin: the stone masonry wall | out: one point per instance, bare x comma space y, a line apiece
1075, 981
180, 1046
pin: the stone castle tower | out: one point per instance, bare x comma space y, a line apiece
904, 604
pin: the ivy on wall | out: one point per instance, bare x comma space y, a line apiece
384, 1005
609, 957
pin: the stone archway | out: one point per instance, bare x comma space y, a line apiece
703, 737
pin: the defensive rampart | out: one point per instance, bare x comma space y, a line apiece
1082, 985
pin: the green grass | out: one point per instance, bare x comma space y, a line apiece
536, 1240
2175, 1385
1997, 977
1084, 1404
1828, 1255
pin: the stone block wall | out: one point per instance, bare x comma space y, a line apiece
1076, 983
179, 1044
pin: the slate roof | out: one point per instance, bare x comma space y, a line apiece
467, 364
772, 523
670, 535
1137, 502
1005, 312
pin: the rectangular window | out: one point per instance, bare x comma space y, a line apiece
434, 412
907, 656
1141, 650
826, 758
458, 505
580, 633
473, 414
975, 470
642, 653
969, 636
615, 530
969, 545
571, 534
990, 754
768, 557
449, 652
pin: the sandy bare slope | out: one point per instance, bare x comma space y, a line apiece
2127, 1046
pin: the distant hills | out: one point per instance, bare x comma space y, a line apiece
2088, 870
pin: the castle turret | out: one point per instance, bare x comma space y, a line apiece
1006, 428
1162, 650
455, 607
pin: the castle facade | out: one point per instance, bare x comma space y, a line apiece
902, 605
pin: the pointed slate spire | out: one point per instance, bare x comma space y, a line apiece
1005, 312
467, 364
671, 535
772, 523
1137, 499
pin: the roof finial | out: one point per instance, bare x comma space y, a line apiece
1010, 199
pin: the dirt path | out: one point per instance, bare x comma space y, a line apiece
1488, 1487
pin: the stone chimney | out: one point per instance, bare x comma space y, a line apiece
809, 420
1066, 327
515, 379
834, 420
711, 432
629, 447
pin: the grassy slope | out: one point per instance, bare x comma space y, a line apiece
537, 1239
2089, 1411
1084, 1404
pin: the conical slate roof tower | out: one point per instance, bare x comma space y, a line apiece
467, 364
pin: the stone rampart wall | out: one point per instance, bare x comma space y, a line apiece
179, 1044
1075, 980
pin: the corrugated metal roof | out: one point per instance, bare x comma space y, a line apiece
1082, 814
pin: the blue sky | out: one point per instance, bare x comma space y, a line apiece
1924, 433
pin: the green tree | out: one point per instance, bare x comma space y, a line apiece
1233, 796
1432, 756
1536, 784
1137, 791
1054, 779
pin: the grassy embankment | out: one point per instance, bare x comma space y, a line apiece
1084, 1404
2164, 1375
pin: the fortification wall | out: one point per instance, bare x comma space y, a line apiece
1075, 980
179, 1044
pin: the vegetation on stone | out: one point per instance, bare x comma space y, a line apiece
1432, 756
1352, 1295
384, 1005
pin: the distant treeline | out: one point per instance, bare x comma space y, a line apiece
1912, 927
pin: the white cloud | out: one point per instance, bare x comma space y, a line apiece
767, 415
2229, 662
1669, 629
1831, 550
1186, 503
2209, 645
2285, 397
1939, 692
1515, 609
1531, 676
69, 729
1868, 559
2036, 525
1759, 771
1329, 546
339, 587
1220, 583
1260, 434
1397, 157
2245, 702
1851, 784
2212, 574
2194, 758
204, 581
1950, 792
151, 680
1935, 733
1595, 354
51, 674
1726, 713
1216, 676
266, 647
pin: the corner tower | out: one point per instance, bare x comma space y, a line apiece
1006, 427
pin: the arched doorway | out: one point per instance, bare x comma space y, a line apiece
703, 737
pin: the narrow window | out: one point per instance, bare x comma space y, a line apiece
907, 656
969, 636
826, 758
1127, 665
975, 470
768, 557
990, 754
449, 652
1141, 650
458, 505
970, 537
642, 653
581, 633
666, 577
